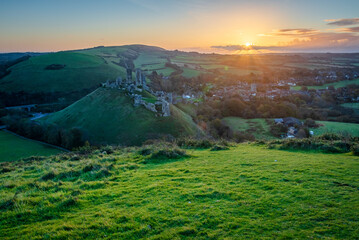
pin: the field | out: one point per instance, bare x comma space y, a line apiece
337, 127
13, 148
109, 117
335, 85
247, 192
81, 71
258, 127
354, 106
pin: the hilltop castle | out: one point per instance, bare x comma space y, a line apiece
161, 107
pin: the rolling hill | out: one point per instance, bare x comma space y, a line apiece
79, 71
110, 117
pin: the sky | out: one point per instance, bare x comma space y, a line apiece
221, 26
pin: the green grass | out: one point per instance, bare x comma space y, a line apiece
354, 106
335, 85
13, 148
337, 127
189, 73
109, 116
81, 71
247, 192
258, 127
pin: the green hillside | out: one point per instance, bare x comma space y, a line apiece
110, 117
81, 71
13, 148
246, 192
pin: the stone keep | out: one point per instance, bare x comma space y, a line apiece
119, 81
143, 81
165, 109
138, 77
129, 75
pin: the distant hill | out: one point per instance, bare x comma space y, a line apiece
108, 116
80, 71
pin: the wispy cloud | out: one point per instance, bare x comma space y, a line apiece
294, 31
352, 29
343, 21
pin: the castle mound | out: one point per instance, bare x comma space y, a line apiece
109, 117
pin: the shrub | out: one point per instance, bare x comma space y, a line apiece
48, 176
330, 136
219, 148
173, 153
195, 143
107, 150
243, 136
145, 151
355, 149
163, 154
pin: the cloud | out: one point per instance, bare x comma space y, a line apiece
317, 42
343, 21
352, 29
245, 48
294, 31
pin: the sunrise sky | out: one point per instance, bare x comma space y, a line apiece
223, 26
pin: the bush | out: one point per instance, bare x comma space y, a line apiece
278, 130
173, 153
48, 176
219, 148
317, 143
330, 136
195, 143
145, 151
166, 154
243, 136
355, 149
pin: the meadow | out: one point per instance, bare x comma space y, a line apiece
337, 127
354, 106
14, 148
246, 192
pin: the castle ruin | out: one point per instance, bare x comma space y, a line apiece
161, 107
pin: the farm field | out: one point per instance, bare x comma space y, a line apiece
337, 127
354, 106
335, 85
246, 192
14, 148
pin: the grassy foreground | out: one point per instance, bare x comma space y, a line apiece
246, 192
13, 148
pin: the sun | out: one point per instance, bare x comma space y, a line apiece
248, 44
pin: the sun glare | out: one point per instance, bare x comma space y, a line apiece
248, 44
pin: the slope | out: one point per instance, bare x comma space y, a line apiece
79, 71
110, 117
